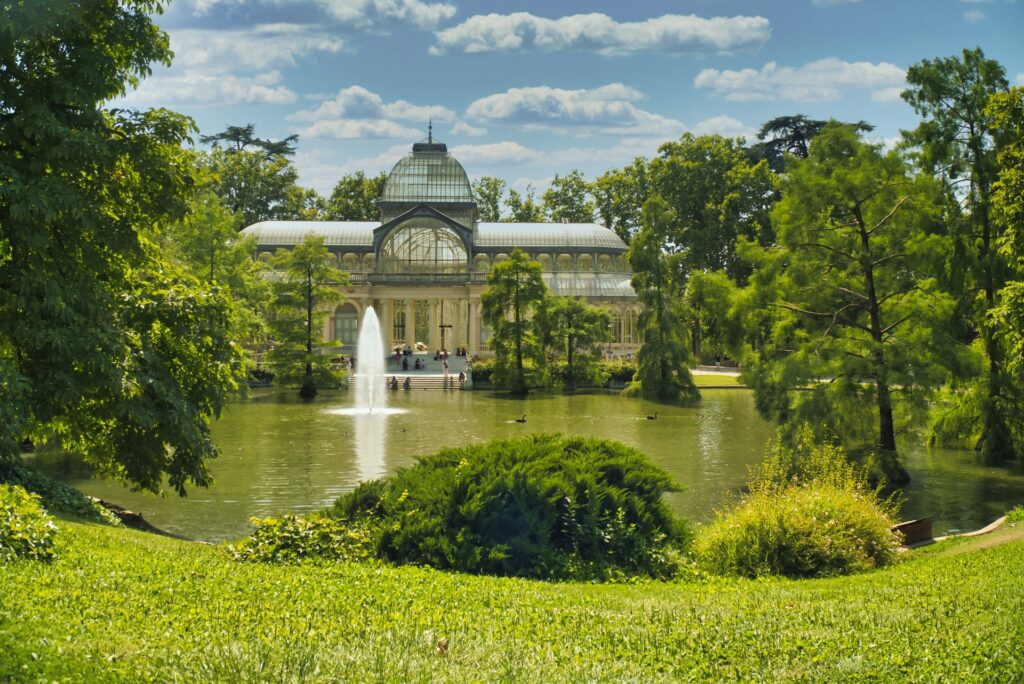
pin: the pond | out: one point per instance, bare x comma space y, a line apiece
281, 455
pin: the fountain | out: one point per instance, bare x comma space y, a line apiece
371, 391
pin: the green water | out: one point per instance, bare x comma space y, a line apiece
281, 455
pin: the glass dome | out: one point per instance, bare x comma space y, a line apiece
423, 246
428, 174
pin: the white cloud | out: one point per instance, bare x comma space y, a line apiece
607, 109
359, 13
463, 128
199, 88
258, 47
356, 112
973, 16
522, 31
380, 13
821, 80
1020, 79
723, 125
504, 152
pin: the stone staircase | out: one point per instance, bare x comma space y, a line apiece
430, 377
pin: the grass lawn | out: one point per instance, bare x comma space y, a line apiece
717, 380
120, 605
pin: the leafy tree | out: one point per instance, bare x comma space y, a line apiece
257, 187
488, 192
303, 204
523, 208
568, 199
790, 135
206, 242
241, 138
662, 373
306, 288
620, 195
708, 298
717, 196
355, 197
570, 326
101, 342
957, 140
515, 292
860, 314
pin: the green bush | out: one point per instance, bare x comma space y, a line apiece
544, 506
26, 531
294, 538
619, 371
1016, 515
810, 513
56, 496
483, 370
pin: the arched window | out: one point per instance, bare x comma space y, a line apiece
565, 263
350, 263
368, 262
629, 335
545, 262
585, 263
346, 324
423, 246
481, 263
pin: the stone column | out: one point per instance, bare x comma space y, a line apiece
387, 327
474, 327
410, 323
434, 334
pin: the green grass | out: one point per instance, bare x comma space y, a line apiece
717, 381
120, 605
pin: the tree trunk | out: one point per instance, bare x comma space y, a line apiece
308, 389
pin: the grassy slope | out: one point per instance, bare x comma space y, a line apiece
717, 381
124, 605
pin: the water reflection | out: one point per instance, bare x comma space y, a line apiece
371, 446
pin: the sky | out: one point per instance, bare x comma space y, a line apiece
524, 90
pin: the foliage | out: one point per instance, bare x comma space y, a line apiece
809, 513
1016, 515
515, 292
620, 195
523, 208
619, 371
307, 286
717, 195
544, 506
78, 186
958, 140
568, 199
661, 373
238, 138
858, 319
709, 298
571, 327
187, 612
483, 370
303, 537
355, 197
791, 135
26, 531
56, 496
488, 192
257, 187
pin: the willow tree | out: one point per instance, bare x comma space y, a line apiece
859, 314
306, 289
662, 373
515, 292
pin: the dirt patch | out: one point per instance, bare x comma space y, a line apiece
1003, 535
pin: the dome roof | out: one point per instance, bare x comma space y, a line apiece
429, 175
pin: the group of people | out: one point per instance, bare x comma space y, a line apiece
392, 383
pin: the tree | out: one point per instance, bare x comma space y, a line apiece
102, 343
568, 201
523, 208
662, 373
307, 287
207, 244
488, 192
355, 198
790, 135
708, 298
257, 187
570, 326
515, 292
620, 195
241, 138
717, 196
957, 141
860, 315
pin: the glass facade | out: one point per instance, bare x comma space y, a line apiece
428, 175
423, 246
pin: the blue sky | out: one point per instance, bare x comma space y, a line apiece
525, 90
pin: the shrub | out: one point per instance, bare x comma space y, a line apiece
1016, 515
26, 531
544, 506
810, 513
483, 370
294, 538
619, 371
56, 496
